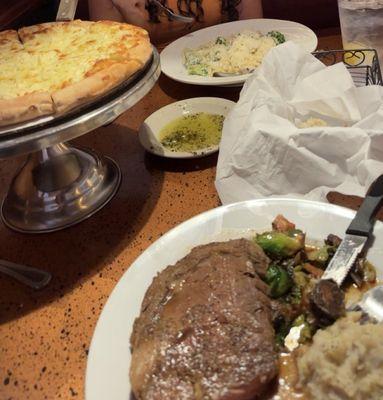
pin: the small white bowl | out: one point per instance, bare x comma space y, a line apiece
152, 126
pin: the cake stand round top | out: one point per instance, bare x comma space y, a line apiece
37, 135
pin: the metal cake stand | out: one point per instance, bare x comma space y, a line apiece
60, 185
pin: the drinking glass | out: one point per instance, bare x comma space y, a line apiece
362, 25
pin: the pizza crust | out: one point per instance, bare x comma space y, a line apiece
9, 42
28, 32
141, 52
94, 86
8, 36
25, 107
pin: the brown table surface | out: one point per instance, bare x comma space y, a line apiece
45, 335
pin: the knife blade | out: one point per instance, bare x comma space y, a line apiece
357, 235
66, 10
344, 258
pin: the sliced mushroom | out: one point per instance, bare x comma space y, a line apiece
327, 302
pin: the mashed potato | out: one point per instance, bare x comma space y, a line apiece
345, 361
240, 53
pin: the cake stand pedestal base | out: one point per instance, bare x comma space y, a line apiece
58, 187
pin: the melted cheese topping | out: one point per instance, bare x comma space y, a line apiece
61, 54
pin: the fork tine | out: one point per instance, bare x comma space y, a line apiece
372, 303
171, 14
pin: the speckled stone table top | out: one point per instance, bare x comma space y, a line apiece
45, 335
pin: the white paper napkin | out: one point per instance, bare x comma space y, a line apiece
264, 153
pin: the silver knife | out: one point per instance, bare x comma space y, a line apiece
67, 10
357, 235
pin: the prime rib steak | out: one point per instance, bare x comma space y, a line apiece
205, 329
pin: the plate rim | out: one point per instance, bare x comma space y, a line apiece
223, 81
204, 216
184, 155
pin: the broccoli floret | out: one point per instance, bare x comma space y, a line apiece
198, 69
277, 36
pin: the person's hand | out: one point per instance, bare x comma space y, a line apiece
133, 11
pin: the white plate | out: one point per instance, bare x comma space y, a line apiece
151, 127
172, 55
107, 375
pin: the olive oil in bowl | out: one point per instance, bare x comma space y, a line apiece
192, 132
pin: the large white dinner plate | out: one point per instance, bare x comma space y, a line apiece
107, 375
172, 55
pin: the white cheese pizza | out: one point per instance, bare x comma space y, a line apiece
53, 67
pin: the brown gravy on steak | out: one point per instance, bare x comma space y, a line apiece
288, 379
285, 388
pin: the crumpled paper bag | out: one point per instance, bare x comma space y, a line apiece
264, 153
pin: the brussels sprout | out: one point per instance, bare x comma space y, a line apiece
279, 281
281, 245
300, 278
294, 296
321, 256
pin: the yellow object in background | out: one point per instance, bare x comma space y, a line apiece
356, 58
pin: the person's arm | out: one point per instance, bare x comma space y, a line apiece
134, 12
130, 11
250, 9
104, 10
